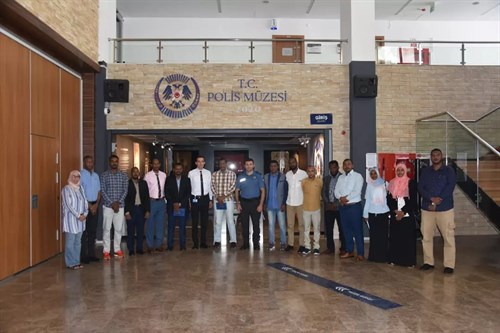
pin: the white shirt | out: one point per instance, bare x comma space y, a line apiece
349, 186
152, 181
295, 194
194, 176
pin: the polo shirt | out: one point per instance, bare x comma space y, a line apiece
250, 185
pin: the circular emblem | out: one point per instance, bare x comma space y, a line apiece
174, 95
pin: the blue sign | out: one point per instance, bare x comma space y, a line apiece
321, 118
340, 288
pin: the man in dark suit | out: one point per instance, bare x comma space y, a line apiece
136, 210
178, 193
332, 204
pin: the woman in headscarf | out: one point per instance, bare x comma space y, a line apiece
74, 209
402, 201
376, 214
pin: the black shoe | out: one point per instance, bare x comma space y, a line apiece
244, 247
131, 253
85, 260
305, 252
316, 252
426, 267
195, 247
216, 245
204, 246
138, 252
448, 270
301, 249
289, 248
233, 245
256, 247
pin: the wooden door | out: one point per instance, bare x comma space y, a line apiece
285, 51
45, 204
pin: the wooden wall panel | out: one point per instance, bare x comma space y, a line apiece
44, 97
89, 114
70, 130
14, 154
44, 217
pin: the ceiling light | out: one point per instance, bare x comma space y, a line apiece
475, 3
304, 140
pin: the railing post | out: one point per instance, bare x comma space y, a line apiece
114, 51
478, 176
205, 48
463, 54
160, 47
419, 48
251, 47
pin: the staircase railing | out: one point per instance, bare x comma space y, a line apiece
471, 148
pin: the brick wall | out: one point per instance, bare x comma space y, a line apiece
75, 20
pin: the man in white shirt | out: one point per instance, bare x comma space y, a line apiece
154, 225
348, 191
201, 201
294, 202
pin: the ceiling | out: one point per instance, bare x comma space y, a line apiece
226, 138
437, 10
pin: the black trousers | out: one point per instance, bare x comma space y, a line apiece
379, 237
88, 236
199, 215
330, 217
249, 209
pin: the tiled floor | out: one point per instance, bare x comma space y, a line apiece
235, 291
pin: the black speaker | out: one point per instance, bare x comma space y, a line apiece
116, 91
365, 86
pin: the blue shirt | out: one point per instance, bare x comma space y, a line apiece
437, 183
350, 186
250, 185
114, 187
272, 199
90, 183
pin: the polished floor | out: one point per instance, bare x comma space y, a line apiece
235, 291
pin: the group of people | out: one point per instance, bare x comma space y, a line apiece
296, 196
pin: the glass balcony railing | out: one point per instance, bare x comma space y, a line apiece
470, 53
472, 149
222, 50
313, 51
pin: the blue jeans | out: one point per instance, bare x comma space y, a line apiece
271, 216
135, 226
351, 217
154, 225
171, 229
72, 248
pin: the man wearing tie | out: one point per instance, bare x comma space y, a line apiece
201, 201
154, 226
177, 192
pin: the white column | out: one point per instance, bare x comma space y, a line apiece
107, 29
357, 24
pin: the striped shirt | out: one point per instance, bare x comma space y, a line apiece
74, 204
224, 184
114, 187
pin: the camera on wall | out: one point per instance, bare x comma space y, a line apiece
107, 108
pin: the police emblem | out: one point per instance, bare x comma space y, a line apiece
176, 99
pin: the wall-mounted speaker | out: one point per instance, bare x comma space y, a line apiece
116, 91
365, 86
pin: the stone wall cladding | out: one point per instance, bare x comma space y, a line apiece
74, 20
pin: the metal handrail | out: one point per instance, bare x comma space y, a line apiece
226, 40
471, 132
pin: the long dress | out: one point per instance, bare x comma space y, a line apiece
402, 234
